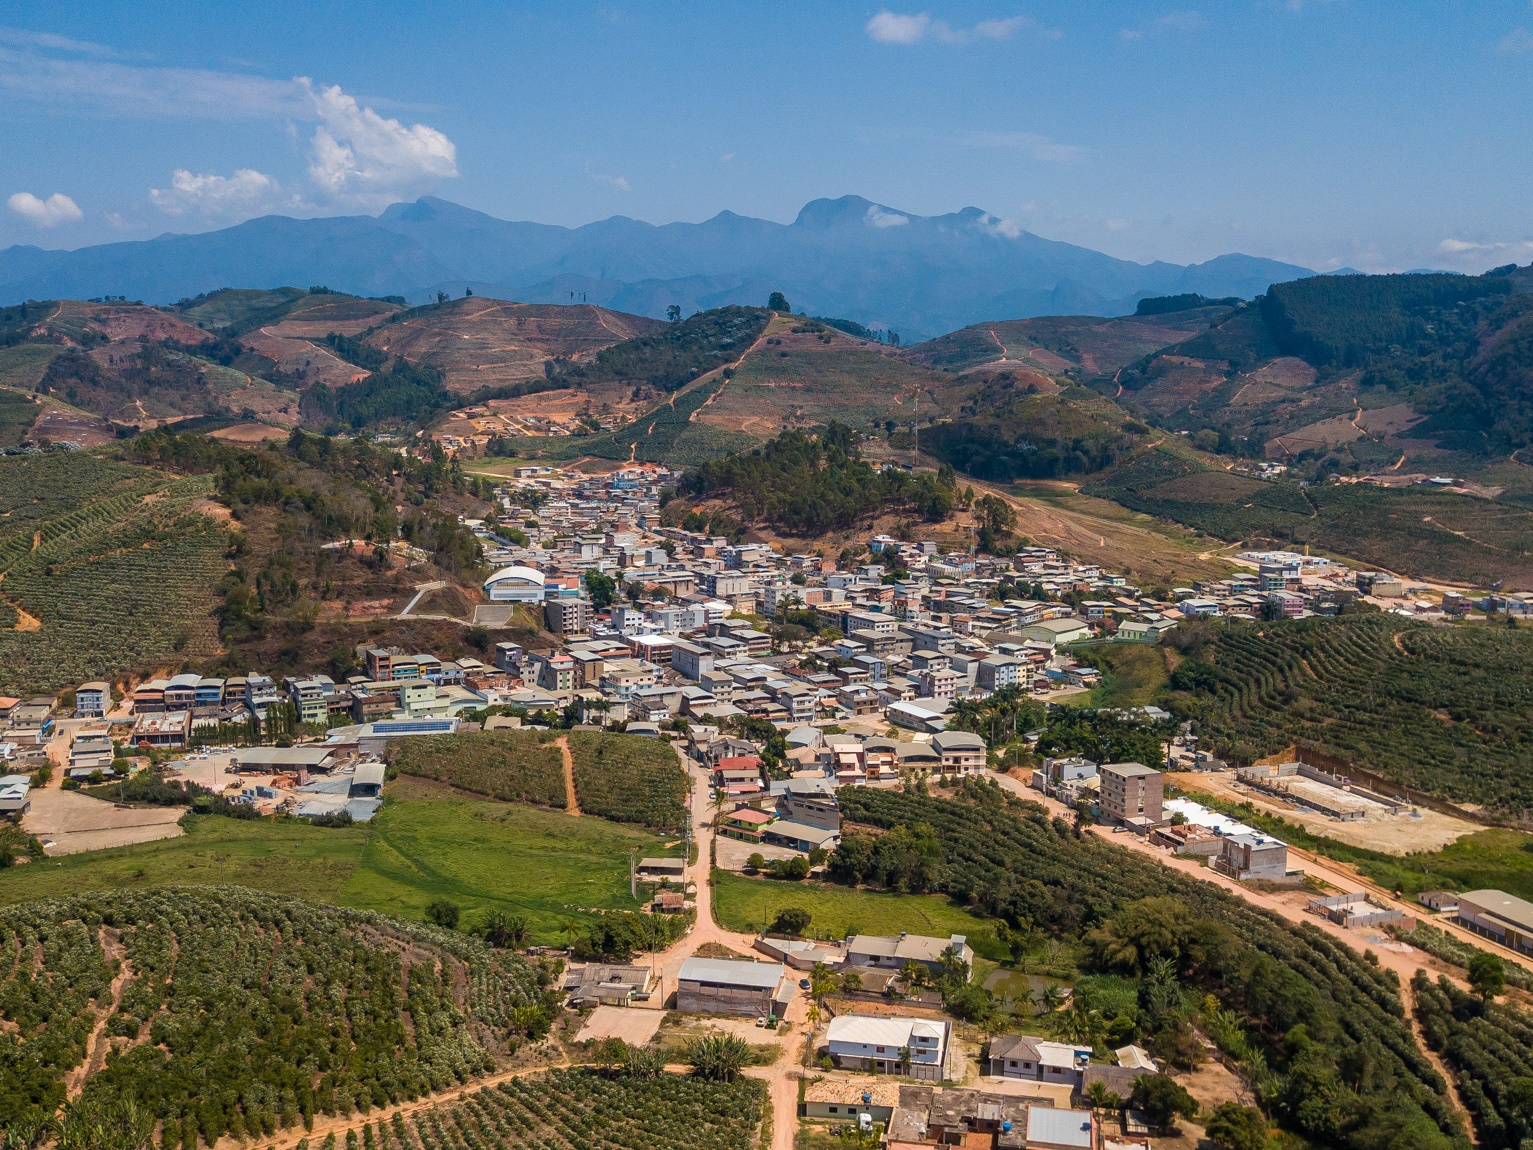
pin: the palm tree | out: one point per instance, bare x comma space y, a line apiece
822, 980
1098, 1097
1050, 998
904, 1060
914, 975
570, 928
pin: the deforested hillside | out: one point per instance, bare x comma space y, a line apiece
1416, 530
1428, 371
479, 342
293, 1010
1080, 345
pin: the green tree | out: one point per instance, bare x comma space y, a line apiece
601, 588
1237, 1127
1163, 1101
673, 313
444, 913
791, 920
778, 302
1487, 975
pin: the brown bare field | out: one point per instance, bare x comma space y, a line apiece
298, 355
77, 822
125, 322
1286, 372
1333, 432
245, 433
1378, 830
1391, 420
480, 342
267, 403
797, 379
59, 424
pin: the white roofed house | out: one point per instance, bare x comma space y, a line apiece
515, 584
916, 1047
1024, 1056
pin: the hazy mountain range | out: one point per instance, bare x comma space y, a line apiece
918, 275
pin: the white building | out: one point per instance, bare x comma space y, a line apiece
911, 1046
515, 585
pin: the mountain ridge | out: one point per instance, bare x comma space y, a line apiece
848, 256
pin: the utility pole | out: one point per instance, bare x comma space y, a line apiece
633, 878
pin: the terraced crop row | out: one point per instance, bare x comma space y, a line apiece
1490, 1049
125, 580
629, 779
1445, 709
238, 1012
583, 1110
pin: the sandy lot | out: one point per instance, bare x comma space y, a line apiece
76, 822
742, 1028
633, 1025
1379, 830
732, 853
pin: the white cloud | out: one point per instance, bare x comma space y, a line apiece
1001, 229
1474, 256
1180, 21
892, 28
1117, 225
53, 42
900, 28
1517, 42
358, 155
1038, 146
883, 218
56, 209
104, 86
241, 195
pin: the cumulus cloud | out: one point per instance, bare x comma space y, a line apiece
243, 194
619, 182
56, 209
358, 154
884, 218
911, 28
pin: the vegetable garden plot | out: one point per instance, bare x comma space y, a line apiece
629, 779
514, 766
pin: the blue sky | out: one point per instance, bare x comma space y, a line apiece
1382, 136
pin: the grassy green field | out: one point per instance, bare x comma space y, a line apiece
747, 904
22, 365
482, 855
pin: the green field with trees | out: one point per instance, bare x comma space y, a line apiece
1442, 709
1425, 533
750, 904
629, 779
513, 766
1317, 1032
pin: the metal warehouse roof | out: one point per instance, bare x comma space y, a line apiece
731, 972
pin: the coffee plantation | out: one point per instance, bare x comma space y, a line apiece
226, 1011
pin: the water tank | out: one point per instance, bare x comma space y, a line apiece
1006, 1127
867, 1097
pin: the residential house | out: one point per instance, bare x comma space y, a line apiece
892, 952
729, 986
915, 1047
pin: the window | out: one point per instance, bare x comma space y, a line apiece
833, 1110
880, 1049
